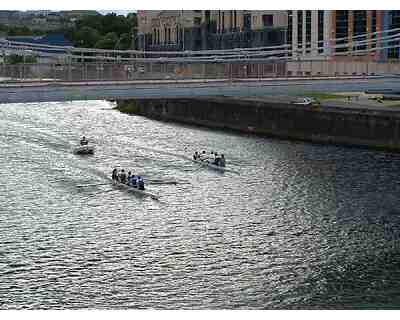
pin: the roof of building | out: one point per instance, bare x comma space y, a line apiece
54, 39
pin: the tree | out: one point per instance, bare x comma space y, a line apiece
86, 37
123, 27
15, 59
109, 41
125, 41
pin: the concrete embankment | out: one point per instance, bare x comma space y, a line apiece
368, 127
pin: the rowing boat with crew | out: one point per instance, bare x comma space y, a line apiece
131, 183
213, 161
133, 189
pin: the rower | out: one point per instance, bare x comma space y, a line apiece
203, 156
196, 156
129, 178
222, 161
217, 159
114, 175
122, 176
211, 158
84, 142
140, 183
133, 181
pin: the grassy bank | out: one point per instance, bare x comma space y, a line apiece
321, 96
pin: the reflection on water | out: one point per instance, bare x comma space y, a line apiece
303, 226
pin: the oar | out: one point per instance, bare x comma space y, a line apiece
92, 185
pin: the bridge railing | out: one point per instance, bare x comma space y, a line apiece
94, 71
139, 71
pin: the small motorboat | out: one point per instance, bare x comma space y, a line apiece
85, 149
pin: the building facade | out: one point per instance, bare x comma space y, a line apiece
210, 29
342, 34
166, 29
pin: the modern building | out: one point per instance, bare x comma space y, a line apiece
342, 34
210, 29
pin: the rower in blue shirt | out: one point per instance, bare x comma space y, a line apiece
140, 183
133, 181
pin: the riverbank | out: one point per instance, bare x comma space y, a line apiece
336, 122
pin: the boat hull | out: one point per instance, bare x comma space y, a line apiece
213, 166
84, 150
135, 190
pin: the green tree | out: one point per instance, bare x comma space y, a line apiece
90, 21
19, 31
109, 41
123, 27
15, 59
86, 37
125, 41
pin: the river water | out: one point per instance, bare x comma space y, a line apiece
304, 226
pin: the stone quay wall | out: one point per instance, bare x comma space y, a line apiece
336, 125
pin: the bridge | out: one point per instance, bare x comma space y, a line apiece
66, 74
42, 91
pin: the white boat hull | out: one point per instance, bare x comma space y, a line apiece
84, 150
136, 190
213, 166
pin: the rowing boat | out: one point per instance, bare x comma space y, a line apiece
132, 189
214, 166
84, 150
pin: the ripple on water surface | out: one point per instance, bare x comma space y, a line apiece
303, 226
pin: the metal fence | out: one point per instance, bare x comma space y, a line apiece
162, 71
139, 71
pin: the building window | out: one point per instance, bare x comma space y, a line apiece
290, 27
320, 31
223, 22
393, 53
247, 21
308, 29
234, 19
360, 28
300, 29
373, 27
197, 21
268, 20
342, 19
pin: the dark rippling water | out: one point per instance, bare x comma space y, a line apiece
303, 226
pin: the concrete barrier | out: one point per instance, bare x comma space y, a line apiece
348, 126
